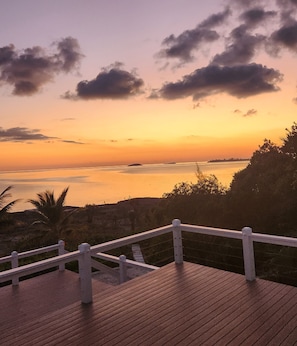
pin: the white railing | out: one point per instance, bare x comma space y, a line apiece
85, 253
123, 263
15, 256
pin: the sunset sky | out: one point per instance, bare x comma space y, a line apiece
94, 82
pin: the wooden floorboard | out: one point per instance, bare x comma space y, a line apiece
184, 304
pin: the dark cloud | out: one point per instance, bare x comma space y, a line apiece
240, 81
286, 36
27, 71
242, 44
7, 54
256, 16
183, 45
241, 48
69, 54
215, 19
22, 134
112, 83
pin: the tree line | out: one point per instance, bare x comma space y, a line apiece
262, 196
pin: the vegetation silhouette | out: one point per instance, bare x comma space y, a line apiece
51, 211
4, 208
262, 196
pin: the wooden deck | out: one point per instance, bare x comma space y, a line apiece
185, 304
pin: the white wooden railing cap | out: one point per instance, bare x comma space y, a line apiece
123, 258
176, 222
247, 231
84, 247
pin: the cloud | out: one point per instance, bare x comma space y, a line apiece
28, 70
286, 7
286, 36
215, 19
240, 81
256, 15
69, 54
111, 83
68, 119
250, 113
183, 45
22, 134
241, 49
71, 142
242, 44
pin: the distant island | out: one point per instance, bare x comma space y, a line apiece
134, 164
227, 160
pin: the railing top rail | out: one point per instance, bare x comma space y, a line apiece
130, 263
274, 239
38, 251
113, 244
38, 266
256, 237
212, 231
5, 259
31, 252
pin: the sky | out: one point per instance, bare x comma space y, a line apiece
103, 82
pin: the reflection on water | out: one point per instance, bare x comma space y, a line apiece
110, 184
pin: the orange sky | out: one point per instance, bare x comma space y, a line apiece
143, 82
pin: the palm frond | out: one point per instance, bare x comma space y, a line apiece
4, 192
50, 210
61, 199
3, 196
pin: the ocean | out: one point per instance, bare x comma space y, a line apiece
110, 184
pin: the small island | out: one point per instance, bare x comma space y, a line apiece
134, 164
227, 160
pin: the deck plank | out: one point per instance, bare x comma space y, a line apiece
184, 304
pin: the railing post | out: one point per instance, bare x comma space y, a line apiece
61, 251
123, 269
85, 273
177, 242
248, 254
15, 264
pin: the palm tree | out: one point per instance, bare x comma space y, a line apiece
4, 208
51, 211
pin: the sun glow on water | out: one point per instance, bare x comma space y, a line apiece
110, 184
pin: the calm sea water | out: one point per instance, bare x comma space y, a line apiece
109, 184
